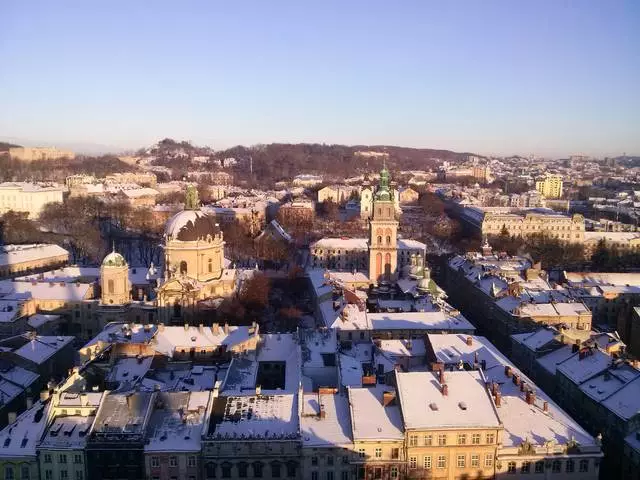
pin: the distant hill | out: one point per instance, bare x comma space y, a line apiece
4, 146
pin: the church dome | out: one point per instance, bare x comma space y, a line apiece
190, 225
114, 259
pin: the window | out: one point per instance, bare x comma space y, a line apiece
210, 469
511, 467
475, 460
79, 475
556, 466
345, 459
329, 475
8, 472
428, 439
378, 452
329, 459
461, 461
475, 439
155, 462
361, 453
377, 473
583, 466
110, 286
314, 461
77, 459
191, 461
48, 475
426, 462
441, 462
62, 458
210, 265
395, 453
226, 470
570, 466
25, 472
491, 438
525, 467
275, 470
173, 461
413, 441
488, 460
291, 469
64, 475
462, 439
442, 439
539, 466
393, 471
413, 462
314, 475
47, 458
183, 267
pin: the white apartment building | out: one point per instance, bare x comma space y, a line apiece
28, 197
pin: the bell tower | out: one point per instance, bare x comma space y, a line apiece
383, 233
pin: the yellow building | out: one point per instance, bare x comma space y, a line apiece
28, 197
550, 186
451, 424
563, 227
194, 263
25, 259
29, 154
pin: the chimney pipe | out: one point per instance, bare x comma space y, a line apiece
531, 397
201, 328
226, 328
483, 364
441, 378
545, 407
323, 412
507, 370
445, 390
469, 340
216, 329
498, 399
522, 385
516, 379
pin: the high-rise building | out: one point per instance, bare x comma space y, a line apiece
550, 186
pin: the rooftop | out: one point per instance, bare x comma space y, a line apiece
12, 254
68, 432
372, 420
325, 420
20, 438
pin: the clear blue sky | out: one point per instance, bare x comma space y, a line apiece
549, 77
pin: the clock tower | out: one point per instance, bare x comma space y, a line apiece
383, 233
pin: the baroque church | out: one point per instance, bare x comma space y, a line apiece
384, 256
195, 273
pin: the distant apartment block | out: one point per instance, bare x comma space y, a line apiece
550, 186
28, 197
29, 154
146, 179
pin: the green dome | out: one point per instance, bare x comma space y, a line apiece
114, 259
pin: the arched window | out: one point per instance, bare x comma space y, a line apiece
378, 265
210, 265
276, 468
111, 288
379, 239
177, 309
387, 266
388, 239
257, 469
183, 267
211, 470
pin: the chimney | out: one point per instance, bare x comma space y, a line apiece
522, 385
216, 329
494, 388
201, 328
323, 412
44, 395
11, 417
445, 390
507, 370
388, 398
475, 358
575, 347
441, 378
258, 389
545, 407
516, 379
186, 327
469, 340
498, 399
530, 397
226, 328
483, 364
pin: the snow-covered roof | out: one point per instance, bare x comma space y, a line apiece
330, 428
410, 244
67, 432
581, 366
550, 361
72, 292
351, 370
177, 422
13, 254
39, 349
20, 438
318, 347
123, 414
39, 319
256, 416
466, 405
120, 332
190, 225
370, 419
429, 321
521, 420
171, 338
414, 347
535, 340
341, 243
